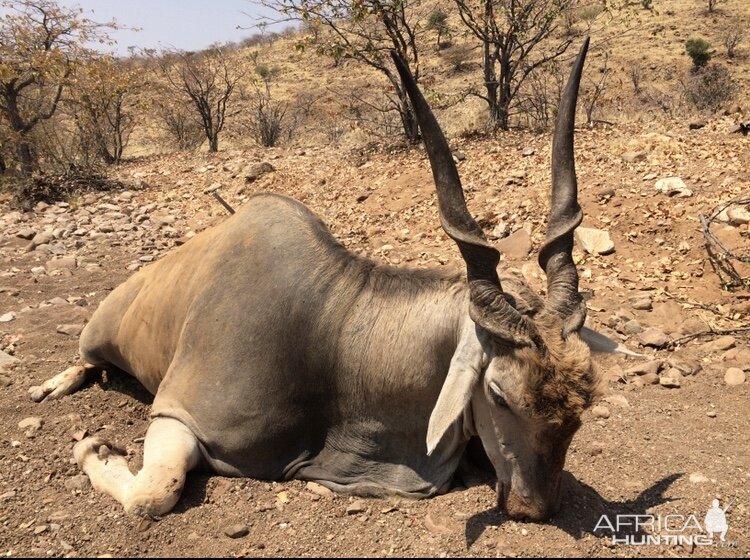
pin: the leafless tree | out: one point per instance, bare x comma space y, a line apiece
365, 31
207, 81
732, 38
517, 37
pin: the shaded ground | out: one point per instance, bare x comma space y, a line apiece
659, 451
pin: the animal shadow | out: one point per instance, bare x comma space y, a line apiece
582, 509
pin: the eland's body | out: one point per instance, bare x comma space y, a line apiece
275, 353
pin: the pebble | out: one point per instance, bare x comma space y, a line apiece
649, 378
319, 489
672, 379
734, 376
31, 425
653, 337
356, 507
698, 478
236, 531
651, 366
600, 411
7, 317
641, 302
78, 483
70, 329
595, 241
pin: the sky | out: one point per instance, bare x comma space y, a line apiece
181, 24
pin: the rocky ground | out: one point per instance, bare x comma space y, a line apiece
670, 435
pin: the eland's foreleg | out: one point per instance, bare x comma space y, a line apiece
170, 451
64, 383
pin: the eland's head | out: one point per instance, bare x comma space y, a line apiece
521, 375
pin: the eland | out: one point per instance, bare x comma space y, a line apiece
275, 353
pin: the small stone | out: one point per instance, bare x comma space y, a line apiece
237, 531
9, 495
78, 483
528, 152
596, 448
617, 400
651, 366
39, 529
633, 157
734, 376
672, 379
653, 337
64, 263
319, 489
632, 327
649, 379
698, 478
7, 317
738, 215
441, 524
517, 245
721, 344
70, 329
7, 361
673, 186
459, 156
697, 125
641, 302
356, 507
254, 172
684, 366
711, 414
600, 411
31, 425
594, 241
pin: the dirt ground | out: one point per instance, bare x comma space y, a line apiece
650, 450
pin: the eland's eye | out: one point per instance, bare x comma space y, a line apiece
497, 396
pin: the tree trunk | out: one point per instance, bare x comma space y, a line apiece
213, 143
25, 157
408, 119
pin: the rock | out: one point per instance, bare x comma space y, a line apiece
738, 215
653, 337
632, 327
697, 125
672, 379
600, 411
441, 524
719, 345
617, 400
254, 172
64, 263
641, 302
78, 483
31, 425
734, 376
26, 233
517, 245
698, 478
70, 329
42, 238
236, 531
7, 317
594, 241
684, 366
649, 378
7, 361
673, 186
499, 231
652, 366
459, 155
528, 152
356, 507
633, 157
319, 489
596, 448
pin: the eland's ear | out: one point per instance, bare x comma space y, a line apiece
463, 375
598, 342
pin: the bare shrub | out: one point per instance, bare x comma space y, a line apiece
710, 88
459, 58
732, 39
